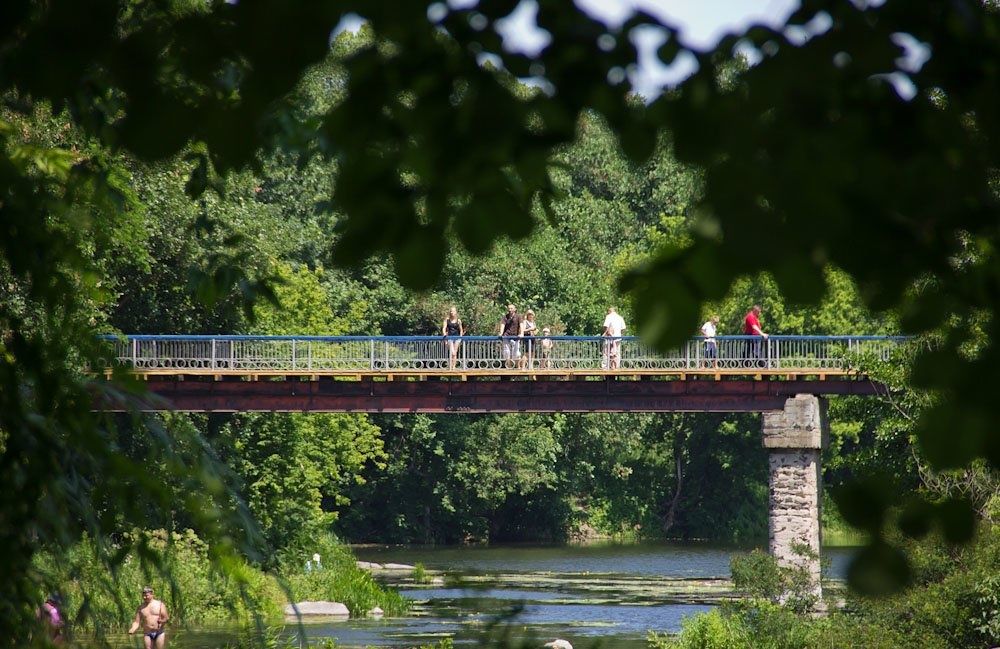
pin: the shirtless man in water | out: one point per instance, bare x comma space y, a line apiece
151, 616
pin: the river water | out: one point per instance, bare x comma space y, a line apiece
607, 595
603, 595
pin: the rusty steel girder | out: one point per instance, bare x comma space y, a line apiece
483, 396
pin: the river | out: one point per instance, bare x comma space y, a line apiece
596, 595
606, 595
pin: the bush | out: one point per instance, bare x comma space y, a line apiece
196, 592
338, 580
711, 630
420, 575
179, 569
757, 575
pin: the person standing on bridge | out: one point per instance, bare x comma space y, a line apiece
510, 330
527, 331
711, 345
614, 327
453, 331
751, 327
545, 349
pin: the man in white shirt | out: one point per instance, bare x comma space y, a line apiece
711, 346
614, 327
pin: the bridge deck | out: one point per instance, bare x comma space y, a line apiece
758, 374
514, 394
415, 374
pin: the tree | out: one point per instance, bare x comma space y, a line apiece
810, 157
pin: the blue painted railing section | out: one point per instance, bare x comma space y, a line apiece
433, 353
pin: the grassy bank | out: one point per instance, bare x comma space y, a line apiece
198, 593
340, 580
843, 536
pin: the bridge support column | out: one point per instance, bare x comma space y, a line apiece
795, 437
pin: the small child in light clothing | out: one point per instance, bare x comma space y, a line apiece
545, 349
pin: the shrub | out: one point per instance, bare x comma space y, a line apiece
420, 575
712, 630
178, 566
196, 592
758, 575
339, 580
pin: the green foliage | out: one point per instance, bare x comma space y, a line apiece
758, 576
420, 575
952, 603
198, 593
707, 631
296, 468
460, 478
444, 643
179, 566
339, 580
899, 193
303, 308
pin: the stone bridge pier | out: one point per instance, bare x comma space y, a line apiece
795, 437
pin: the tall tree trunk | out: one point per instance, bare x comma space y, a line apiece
671, 513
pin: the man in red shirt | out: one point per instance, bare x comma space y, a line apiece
751, 327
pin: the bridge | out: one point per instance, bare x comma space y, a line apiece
786, 378
490, 374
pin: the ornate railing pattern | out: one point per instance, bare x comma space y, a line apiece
275, 354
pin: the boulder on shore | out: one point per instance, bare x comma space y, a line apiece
328, 609
371, 565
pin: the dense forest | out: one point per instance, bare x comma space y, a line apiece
454, 478
451, 479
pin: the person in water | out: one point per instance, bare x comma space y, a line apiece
51, 615
151, 616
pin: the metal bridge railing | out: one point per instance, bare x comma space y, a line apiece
319, 354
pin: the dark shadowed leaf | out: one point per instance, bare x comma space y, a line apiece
421, 258
916, 517
863, 503
949, 435
878, 569
958, 520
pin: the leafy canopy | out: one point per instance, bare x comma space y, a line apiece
811, 157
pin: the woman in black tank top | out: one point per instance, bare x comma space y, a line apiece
452, 330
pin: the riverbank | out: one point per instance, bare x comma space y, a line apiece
199, 593
599, 593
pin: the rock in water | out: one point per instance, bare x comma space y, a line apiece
333, 609
376, 612
559, 644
